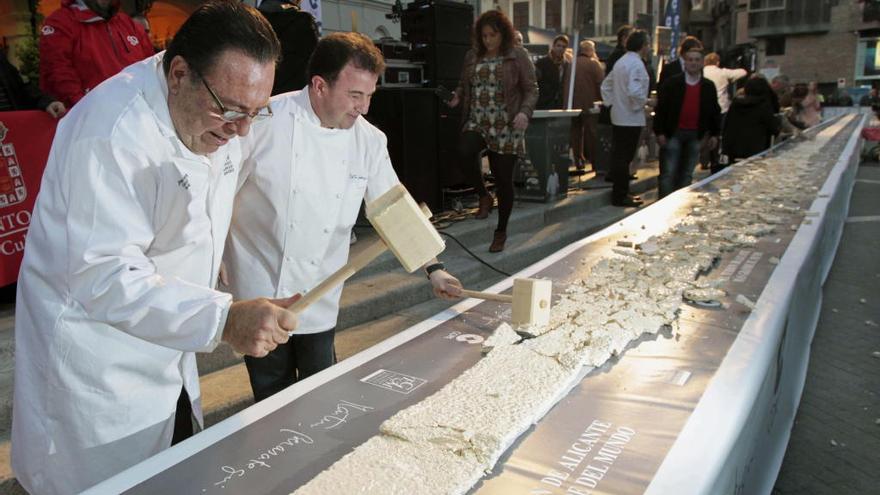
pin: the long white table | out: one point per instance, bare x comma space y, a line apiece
704, 409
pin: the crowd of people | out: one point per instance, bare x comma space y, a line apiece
702, 112
202, 204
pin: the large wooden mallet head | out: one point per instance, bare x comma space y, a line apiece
405, 228
530, 300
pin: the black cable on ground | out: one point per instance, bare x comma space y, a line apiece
446, 219
468, 251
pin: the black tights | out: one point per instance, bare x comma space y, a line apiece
470, 147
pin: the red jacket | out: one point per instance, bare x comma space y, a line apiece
79, 49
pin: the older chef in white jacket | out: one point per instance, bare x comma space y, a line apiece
116, 290
308, 171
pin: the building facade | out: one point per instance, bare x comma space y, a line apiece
807, 40
832, 42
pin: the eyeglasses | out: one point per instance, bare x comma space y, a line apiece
234, 115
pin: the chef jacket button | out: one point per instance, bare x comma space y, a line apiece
290, 225
314, 262
289, 258
326, 231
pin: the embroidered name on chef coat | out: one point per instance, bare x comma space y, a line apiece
228, 167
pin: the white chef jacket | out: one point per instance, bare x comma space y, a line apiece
626, 90
301, 188
722, 79
114, 292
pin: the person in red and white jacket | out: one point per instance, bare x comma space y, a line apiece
85, 42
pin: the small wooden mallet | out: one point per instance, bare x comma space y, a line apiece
530, 300
402, 225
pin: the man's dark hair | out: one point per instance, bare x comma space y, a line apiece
336, 50
497, 21
221, 25
758, 87
636, 40
623, 32
690, 43
561, 37
800, 91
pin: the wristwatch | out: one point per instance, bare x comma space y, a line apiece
433, 268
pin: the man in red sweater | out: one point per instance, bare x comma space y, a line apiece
85, 42
687, 110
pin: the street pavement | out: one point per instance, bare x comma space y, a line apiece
835, 443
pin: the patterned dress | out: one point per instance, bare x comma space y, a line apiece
488, 113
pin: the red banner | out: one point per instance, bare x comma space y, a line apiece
25, 139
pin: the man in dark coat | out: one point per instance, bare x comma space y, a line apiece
549, 70
750, 123
676, 66
619, 50
687, 109
15, 94
298, 33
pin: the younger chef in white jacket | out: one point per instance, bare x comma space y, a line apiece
306, 173
116, 294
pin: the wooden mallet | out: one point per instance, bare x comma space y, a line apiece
530, 300
402, 226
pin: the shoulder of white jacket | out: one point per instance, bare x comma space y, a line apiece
284, 107
285, 101
629, 60
116, 107
373, 133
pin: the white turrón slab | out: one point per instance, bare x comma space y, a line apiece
445, 443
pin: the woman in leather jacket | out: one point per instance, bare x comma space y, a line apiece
498, 92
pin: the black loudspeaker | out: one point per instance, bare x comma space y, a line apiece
422, 138
440, 33
452, 173
437, 21
443, 61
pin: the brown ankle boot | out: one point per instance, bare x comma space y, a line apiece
498, 241
486, 203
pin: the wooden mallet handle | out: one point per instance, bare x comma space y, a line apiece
488, 296
354, 265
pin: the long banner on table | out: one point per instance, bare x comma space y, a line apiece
25, 139
610, 434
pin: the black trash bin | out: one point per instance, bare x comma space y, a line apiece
542, 175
